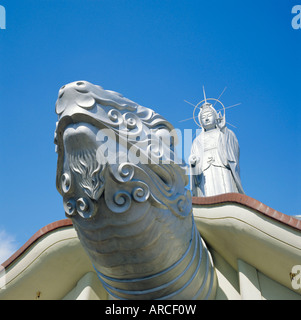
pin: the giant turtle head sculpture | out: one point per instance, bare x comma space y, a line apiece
125, 190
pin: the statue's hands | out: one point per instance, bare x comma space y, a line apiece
193, 160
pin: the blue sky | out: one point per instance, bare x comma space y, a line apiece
157, 53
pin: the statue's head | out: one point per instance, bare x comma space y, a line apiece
208, 116
111, 149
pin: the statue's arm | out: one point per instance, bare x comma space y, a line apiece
231, 146
195, 168
194, 158
232, 151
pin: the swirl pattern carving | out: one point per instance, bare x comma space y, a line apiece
128, 198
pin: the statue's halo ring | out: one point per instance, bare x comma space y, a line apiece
200, 103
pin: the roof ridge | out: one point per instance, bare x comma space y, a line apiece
251, 203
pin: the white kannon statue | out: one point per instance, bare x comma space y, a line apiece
214, 159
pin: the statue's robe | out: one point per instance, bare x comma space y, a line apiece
217, 168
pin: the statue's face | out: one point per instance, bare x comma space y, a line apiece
208, 120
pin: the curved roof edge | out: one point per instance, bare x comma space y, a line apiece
43, 231
251, 203
238, 198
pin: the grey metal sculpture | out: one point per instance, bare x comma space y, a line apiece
127, 197
214, 159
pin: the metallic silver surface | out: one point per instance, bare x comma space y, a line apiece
126, 194
214, 159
